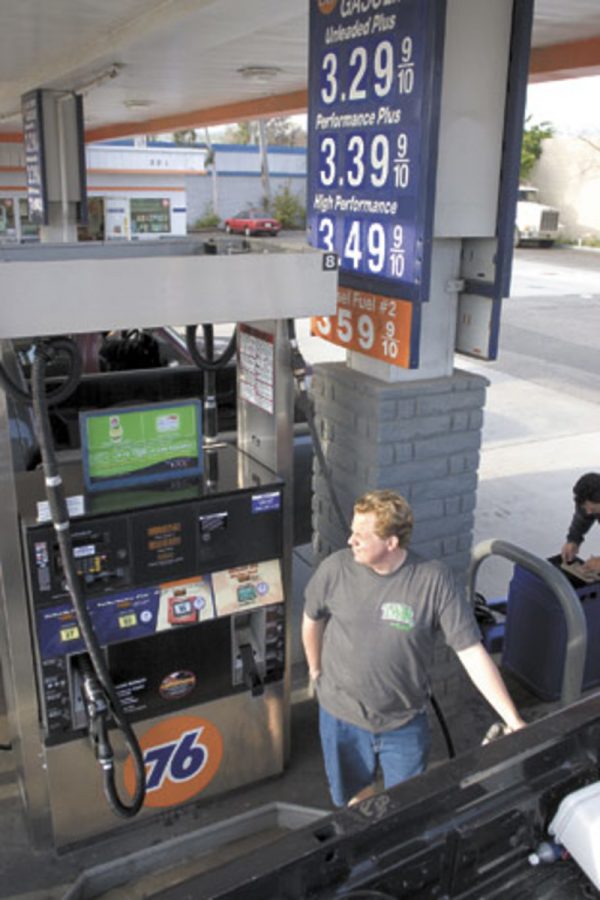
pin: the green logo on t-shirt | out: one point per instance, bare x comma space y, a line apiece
398, 615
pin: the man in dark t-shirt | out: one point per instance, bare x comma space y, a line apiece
586, 494
371, 616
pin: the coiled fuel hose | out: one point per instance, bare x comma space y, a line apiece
209, 365
99, 692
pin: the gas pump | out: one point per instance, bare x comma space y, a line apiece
184, 584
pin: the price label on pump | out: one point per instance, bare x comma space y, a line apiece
375, 326
373, 91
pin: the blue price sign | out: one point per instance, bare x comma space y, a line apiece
375, 73
35, 165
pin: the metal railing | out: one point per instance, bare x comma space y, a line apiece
572, 677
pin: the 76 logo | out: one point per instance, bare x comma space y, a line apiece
176, 761
181, 756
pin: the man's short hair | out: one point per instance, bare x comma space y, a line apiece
393, 515
587, 488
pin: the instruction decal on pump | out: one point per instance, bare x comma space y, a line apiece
181, 756
256, 367
266, 502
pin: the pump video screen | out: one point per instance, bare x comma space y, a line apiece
138, 445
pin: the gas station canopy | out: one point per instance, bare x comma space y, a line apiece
149, 66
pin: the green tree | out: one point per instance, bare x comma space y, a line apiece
242, 133
531, 149
280, 131
185, 136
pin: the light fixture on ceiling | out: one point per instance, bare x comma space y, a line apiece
261, 74
100, 78
137, 103
13, 114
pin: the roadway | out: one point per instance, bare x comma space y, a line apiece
542, 416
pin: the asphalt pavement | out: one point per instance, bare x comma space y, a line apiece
542, 414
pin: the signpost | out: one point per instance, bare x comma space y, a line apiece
35, 163
54, 145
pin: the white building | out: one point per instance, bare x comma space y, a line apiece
138, 190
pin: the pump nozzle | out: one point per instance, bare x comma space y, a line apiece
97, 713
250, 673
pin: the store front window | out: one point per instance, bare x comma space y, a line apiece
150, 215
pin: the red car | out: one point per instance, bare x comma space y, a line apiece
252, 221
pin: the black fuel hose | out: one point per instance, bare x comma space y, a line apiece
444, 726
60, 519
204, 362
60, 392
211, 414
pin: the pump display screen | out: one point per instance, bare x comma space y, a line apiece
129, 446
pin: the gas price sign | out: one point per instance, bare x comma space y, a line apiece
373, 325
374, 89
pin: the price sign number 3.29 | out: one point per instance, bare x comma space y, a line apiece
388, 69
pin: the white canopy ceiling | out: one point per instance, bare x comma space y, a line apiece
154, 65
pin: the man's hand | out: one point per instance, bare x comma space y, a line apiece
569, 551
592, 564
312, 639
482, 671
516, 725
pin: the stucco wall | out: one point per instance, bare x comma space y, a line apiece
568, 177
235, 192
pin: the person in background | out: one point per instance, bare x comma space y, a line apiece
586, 494
371, 616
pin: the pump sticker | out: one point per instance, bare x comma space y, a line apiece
256, 367
177, 685
181, 755
185, 602
127, 616
245, 587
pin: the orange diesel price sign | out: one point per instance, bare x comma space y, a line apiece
379, 327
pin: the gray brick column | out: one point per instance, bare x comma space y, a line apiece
421, 438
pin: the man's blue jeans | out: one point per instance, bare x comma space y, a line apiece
352, 754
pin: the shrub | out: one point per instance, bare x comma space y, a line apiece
287, 207
208, 219
531, 149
